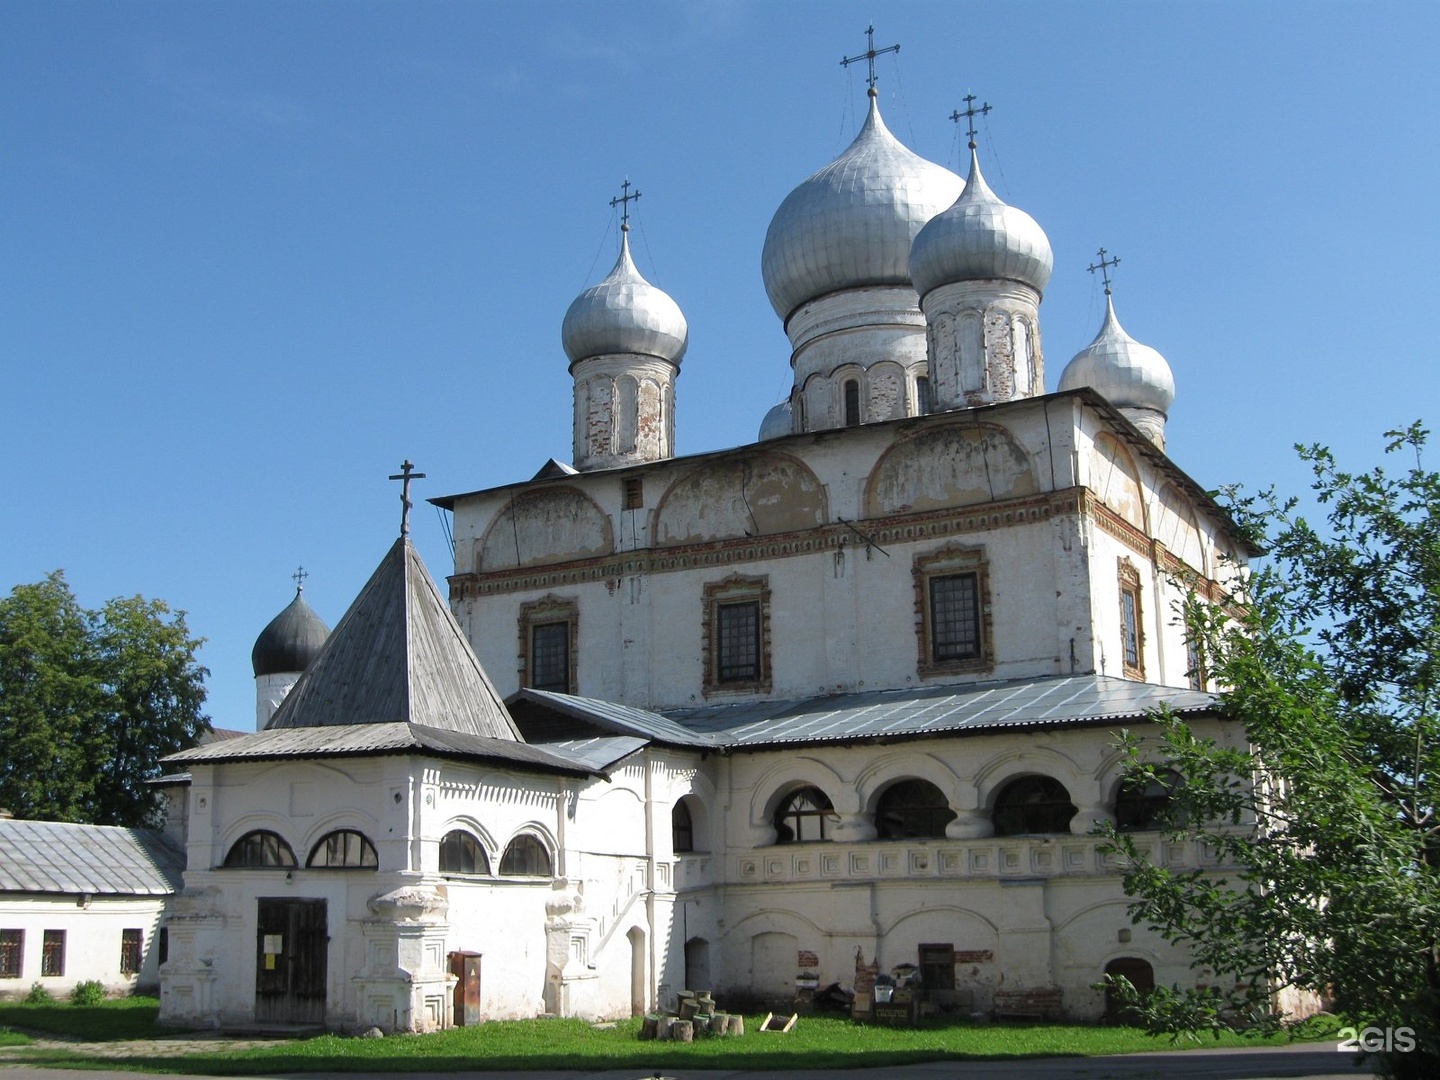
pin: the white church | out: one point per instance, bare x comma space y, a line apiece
729, 721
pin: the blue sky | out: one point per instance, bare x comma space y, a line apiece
253, 255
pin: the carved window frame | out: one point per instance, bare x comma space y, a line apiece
955, 561
735, 590
1132, 622
549, 611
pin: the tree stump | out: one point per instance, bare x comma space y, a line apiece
663, 1026
650, 1026
720, 1024
736, 1026
682, 1031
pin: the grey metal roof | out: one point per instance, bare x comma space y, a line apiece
58, 857
622, 719
912, 712
397, 656
375, 739
598, 753
936, 710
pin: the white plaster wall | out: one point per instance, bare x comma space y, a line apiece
93, 927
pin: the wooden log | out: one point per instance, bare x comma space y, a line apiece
682, 1031
662, 1029
720, 1024
650, 1026
736, 1026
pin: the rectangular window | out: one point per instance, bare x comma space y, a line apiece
12, 949
955, 617
634, 493
52, 953
550, 657
1132, 634
736, 635
952, 603
162, 945
923, 404
852, 403
131, 951
737, 629
549, 637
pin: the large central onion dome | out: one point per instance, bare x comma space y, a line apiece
291, 641
624, 313
852, 223
981, 238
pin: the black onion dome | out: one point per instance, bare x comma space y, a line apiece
291, 641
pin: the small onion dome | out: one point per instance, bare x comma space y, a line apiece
291, 641
980, 238
777, 422
852, 223
624, 314
1126, 373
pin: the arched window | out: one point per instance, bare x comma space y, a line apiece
1139, 803
1033, 804
461, 853
852, 402
802, 816
525, 857
912, 808
260, 848
344, 849
923, 404
682, 829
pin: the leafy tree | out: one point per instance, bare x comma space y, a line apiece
90, 701
1327, 807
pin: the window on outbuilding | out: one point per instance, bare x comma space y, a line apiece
52, 953
344, 849
132, 951
1033, 804
525, 856
260, 849
12, 953
461, 853
912, 808
802, 816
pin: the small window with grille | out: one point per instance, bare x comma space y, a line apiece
1132, 633
634, 493
52, 953
12, 952
132, 951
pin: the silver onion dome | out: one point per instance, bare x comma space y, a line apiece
852, 223
980, 237
291, 640
1126, 373
624, 313
777, 422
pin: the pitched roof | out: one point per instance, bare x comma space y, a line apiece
398, 656
381, 738
58, 857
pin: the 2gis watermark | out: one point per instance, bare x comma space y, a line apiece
1375, 1040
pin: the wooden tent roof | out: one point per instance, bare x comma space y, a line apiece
398, 656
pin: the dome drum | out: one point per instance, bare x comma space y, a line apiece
984, 343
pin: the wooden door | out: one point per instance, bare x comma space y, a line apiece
291, 942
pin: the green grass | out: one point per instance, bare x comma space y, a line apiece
816, 1043
13, 1038
117, 1018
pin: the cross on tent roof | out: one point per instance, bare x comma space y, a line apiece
624, 199
299, 577
970, 113
869, 55
407, 473
1104, 267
